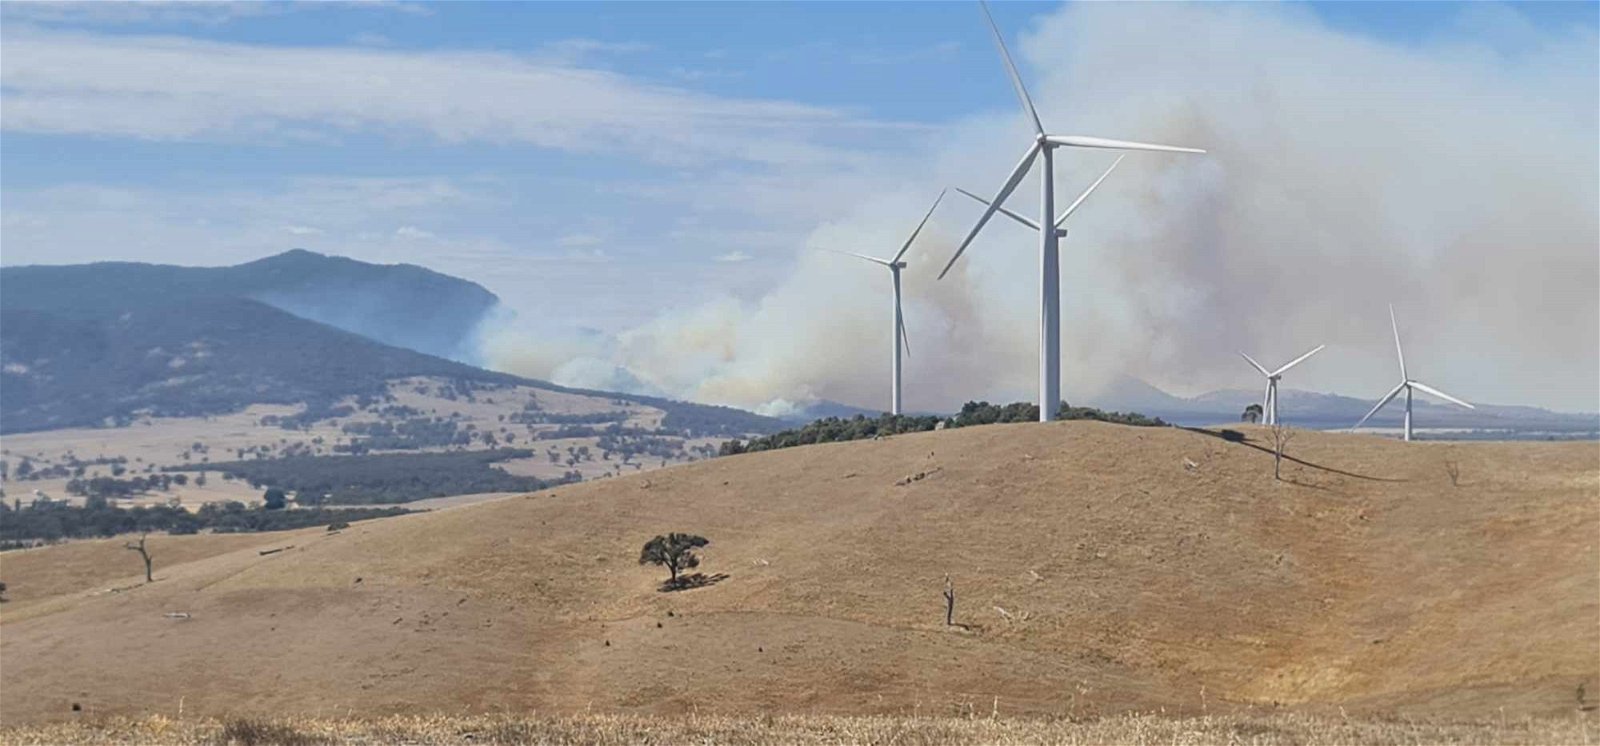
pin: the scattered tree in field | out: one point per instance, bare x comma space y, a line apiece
274, 499
1281, 435
144, 554
1252, 414
675, 551
949, 601
3, 593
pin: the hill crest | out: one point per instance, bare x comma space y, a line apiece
1098, 568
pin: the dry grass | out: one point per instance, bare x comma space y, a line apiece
1130, 581
627, 730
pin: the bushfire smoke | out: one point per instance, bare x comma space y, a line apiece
1456, 180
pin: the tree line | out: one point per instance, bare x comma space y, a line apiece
44, 522
386, 477
860, 427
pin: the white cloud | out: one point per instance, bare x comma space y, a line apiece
303, 230
175, 89
132, 13
412, 232
580, 240
732, 256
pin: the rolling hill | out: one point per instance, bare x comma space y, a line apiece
1098, 569
102, 344
400, 305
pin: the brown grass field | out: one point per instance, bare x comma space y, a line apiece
1100, 571
627, 730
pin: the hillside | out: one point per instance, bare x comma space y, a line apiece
400, 305
1138, 568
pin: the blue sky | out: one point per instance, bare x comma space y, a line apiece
628, 175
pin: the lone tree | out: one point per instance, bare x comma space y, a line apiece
949, 601
676, 551
1252, 414
1281, 435
144, 554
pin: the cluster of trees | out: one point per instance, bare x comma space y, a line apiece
388, 477
631, 442
537, 417
832, 429
70, 466
113, 487
410, 434
47, 522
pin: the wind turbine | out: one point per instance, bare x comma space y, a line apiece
1406, 384
1269, 403
895, 265
1043, 146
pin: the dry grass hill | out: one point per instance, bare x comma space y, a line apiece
1098, 569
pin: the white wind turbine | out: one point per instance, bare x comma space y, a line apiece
1269, 402
1049, 236
1406, 384
899, 343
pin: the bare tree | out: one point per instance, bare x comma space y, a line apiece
143, 554
949, 601
1281, 435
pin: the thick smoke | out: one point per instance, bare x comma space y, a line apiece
1456, 180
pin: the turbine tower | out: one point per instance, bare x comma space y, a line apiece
899, 323
1043, 146
1269, 402
1406, 384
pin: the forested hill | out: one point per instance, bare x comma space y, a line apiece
100, 344
204, 356
402, 305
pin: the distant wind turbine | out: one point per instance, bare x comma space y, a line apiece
1269, 403
1406, 384
900, 342
1049, 235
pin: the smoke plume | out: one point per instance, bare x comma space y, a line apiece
1456, 179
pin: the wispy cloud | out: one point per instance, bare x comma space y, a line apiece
580, 240
177, 12
176, 89
732, 256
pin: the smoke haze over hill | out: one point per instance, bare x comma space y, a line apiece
1457, 181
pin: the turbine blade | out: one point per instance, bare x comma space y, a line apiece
1298, 360
1074, 206
1401, 353
1016, 80
1023, 219
905, 339
903, 249
1005, 191
1076, 141
872, 259
1255, 364
1441, 394
1381, 402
